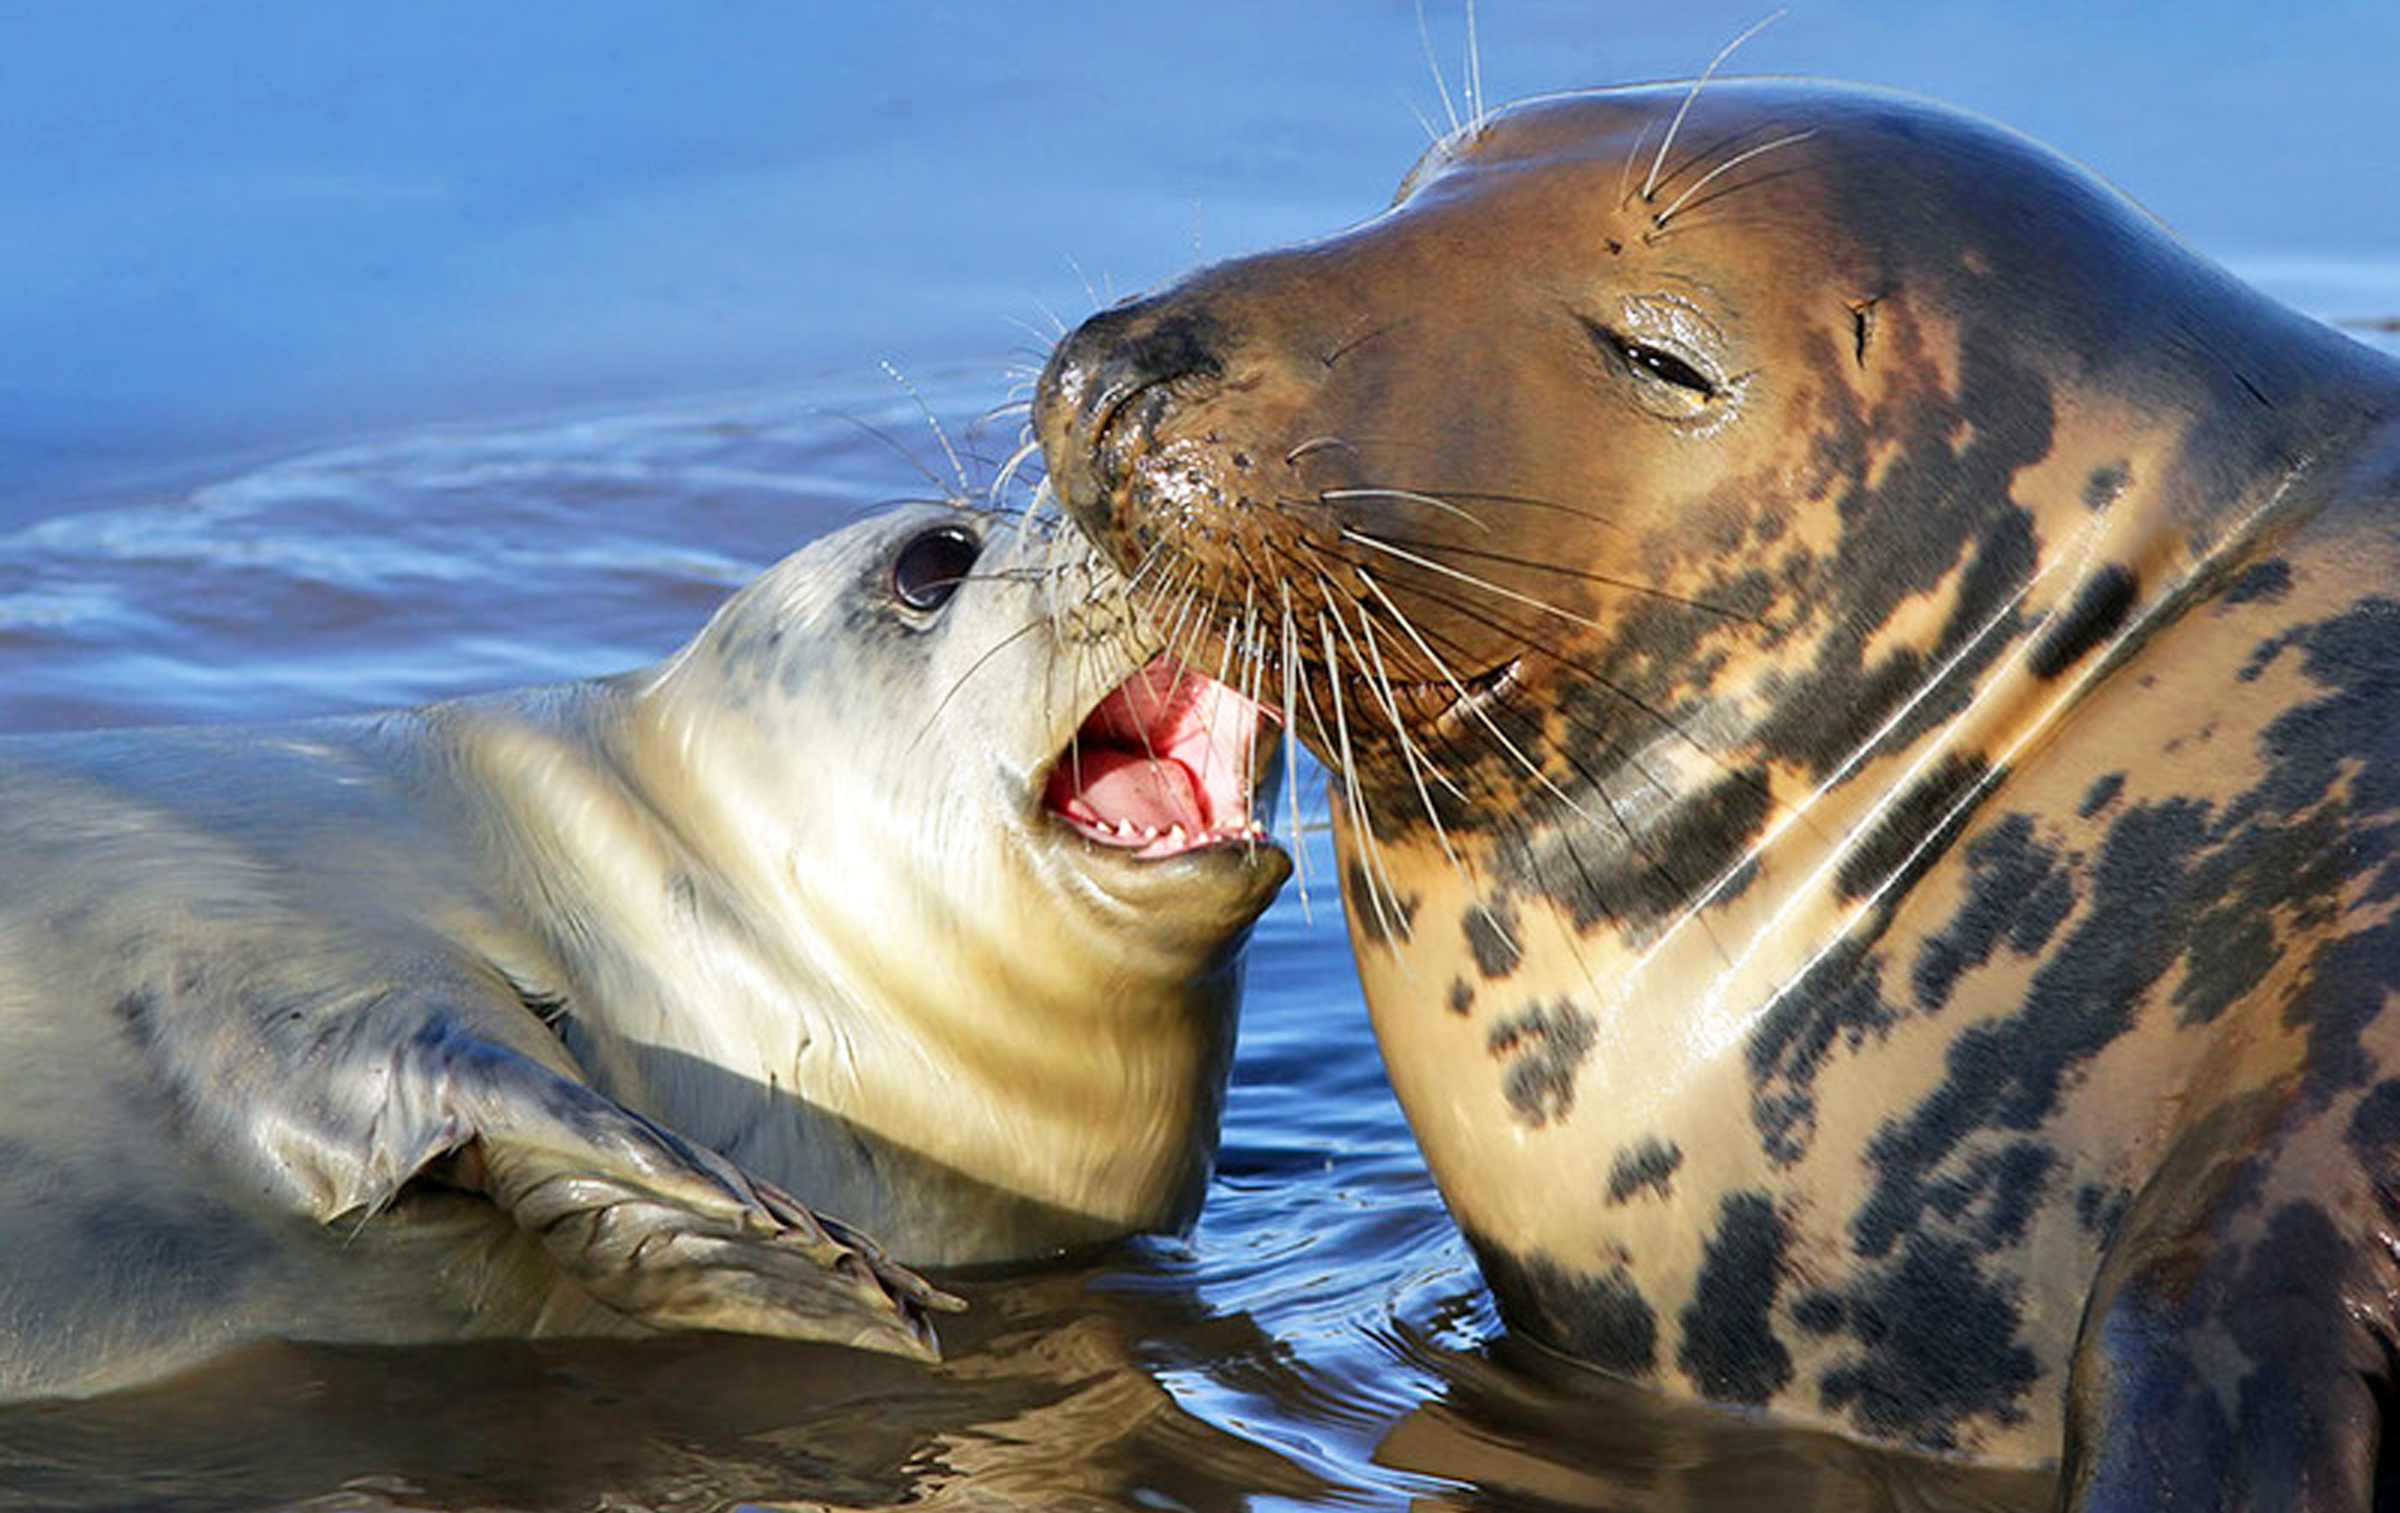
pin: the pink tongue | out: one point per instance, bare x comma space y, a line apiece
1145, 790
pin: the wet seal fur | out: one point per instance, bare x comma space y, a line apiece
518, 1015
1864, 685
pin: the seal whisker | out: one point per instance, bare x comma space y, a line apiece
1314, 444
1455, 499
1484, 585
1730, 142
1474, 707
1291, 743
1026, 451
1405, 496
1046, 338
1433, 65
1391, 919
901, 451
1564, 570
1475, 103
1634, 701
1667, 143
1226, 671
1380, 684
957, 684
1788, 140
1416, 770
1625, 163
933, 422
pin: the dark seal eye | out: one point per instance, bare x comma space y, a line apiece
1669, 367
929, 568
1676, 380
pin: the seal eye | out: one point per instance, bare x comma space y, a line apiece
1664, 381
1669, 368
929, 569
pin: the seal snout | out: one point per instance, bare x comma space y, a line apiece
1166, 764
1106, 388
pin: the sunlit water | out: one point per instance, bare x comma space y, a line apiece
1321, 1339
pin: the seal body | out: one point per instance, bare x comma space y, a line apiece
1863, 686
521, 1014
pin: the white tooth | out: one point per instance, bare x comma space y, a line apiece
1149, 832
1175, 836
1125, 830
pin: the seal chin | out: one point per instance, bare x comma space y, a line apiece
1169, 763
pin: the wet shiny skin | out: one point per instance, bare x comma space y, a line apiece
1905, 615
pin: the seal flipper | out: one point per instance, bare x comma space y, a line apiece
2238, 1342
663, 1230
332, 1105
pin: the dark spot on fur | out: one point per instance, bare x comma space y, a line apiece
1938, 1346
2225, 965
2349, 989
1820, 1313
1730, 1350
1491, 928
1838, 1001
137, 1012
1647, 1163
2106, 598
1602, 1319
1377, 916
2016, 891
1462, 997
1545, 1049
2100, 795
1915, 830
2007, 1073
2105, 484
2375, 1124
1994, 1196
1639, 885
1941, 506
2099, 1208
2261, 582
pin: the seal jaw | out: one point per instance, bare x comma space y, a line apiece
1168, 763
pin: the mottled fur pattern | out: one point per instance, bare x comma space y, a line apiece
1863, 682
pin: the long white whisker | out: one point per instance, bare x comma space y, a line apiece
1650, 184
1291, 746
1736, 161
933, 422
1484, 585
1405, 496
1441, 84
1377, 879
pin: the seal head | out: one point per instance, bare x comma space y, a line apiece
997, 855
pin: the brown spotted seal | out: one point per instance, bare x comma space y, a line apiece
913, 886
1864, 684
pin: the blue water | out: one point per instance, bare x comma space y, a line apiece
355, 358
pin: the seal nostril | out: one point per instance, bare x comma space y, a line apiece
1122, 352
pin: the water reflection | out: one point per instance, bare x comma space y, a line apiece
1058, 1395
1043, 1405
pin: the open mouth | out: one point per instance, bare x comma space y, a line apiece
1165, 765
